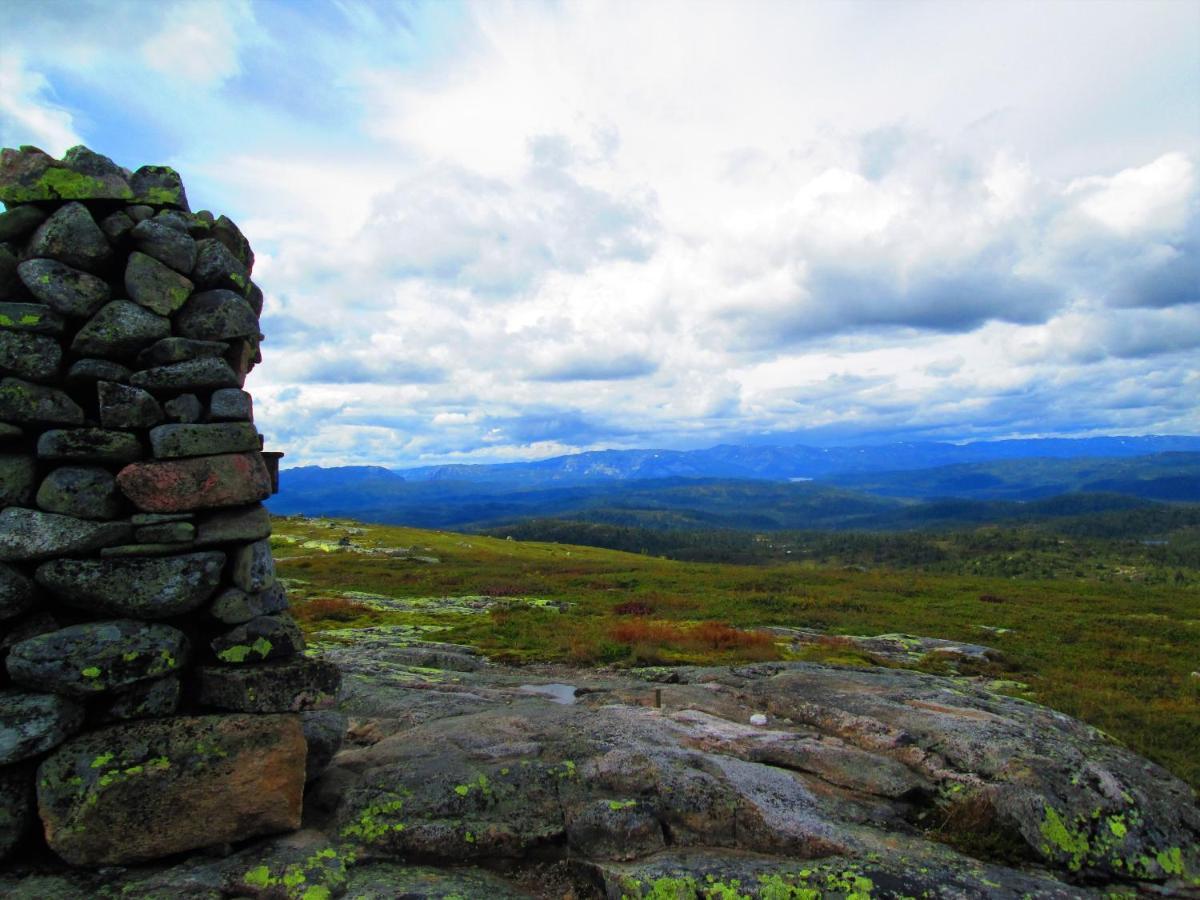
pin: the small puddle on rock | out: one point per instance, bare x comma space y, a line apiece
559, 693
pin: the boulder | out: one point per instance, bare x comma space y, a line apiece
28, 175
166, 244
231, 405
155, 285
89, 371
185, 408
31, 724
156, 588
27, 534
32, 356
190, 375
158, 186
203, 482
225, 231
66, 290
92, 444
71, 236
142, 790
177, 349
20, 222
217, 268
252, 567
233, 606
26, 403
86, 492
174, 441
263, 639
16, 593
145, 700
140, 212
249, 523
122, 406
324, 730
81, 660
35, 318
291, 686
18, 478
116, 226
120, 329
216, 316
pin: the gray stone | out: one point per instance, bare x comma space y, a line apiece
89, 444
143, 790
34, 404
28, 534
16, 593
154, 285
263, 639
216, 315
28, 175
71, 236
199, 482
17, 223
254, 296
108, 181
31, 724
87, 371
191, 375
116, 226
86, 492
120, 329
122, 406
65, 290
156, 588
217, 268
225, 231
18, 478
177, 349
231, 405
165, 533
174, 441
166, 244
185, 408
324, 731
16, 806
249, 523
234, 606
158, 186
184, 223
35, 318
98, 656
146, 700
122, 551
160, 518
251, 567
139, 212
32, 356
291, 686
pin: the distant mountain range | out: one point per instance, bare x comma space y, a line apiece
898, 486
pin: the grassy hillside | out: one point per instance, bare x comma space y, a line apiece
1114, 645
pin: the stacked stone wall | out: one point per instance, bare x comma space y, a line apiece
154, 692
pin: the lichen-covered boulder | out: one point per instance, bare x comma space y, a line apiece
160, 186
33, 356
94, 657
252, 567
23, 402
71, 236
147, 789
31, 724
91, 444
191, 375
27, 534
179, 440
234, 606
89, 371
202, 482
28, 175
20, 222
65, 290
122, 406
290, 686
249, 523
155, 588
217, 268
178, 349
154, 284
120, 329
231, 405
34, 318
86, 492
216, 316
324, 731
168, 245
262, 639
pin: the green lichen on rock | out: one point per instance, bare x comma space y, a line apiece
371, 824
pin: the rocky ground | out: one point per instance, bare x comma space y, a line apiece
459, 778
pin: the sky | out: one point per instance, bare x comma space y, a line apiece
505, 231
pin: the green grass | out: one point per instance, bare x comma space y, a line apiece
1114, 650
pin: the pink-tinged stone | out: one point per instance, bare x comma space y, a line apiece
203, 482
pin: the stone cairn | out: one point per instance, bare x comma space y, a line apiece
154, 692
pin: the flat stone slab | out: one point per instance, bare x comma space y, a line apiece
31, 724
35, 318
178, 441
156, 588
27, 534
291, 686
143, 790
87, 659
247, 524
90, 444
28, 175
203, 482
189, 375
